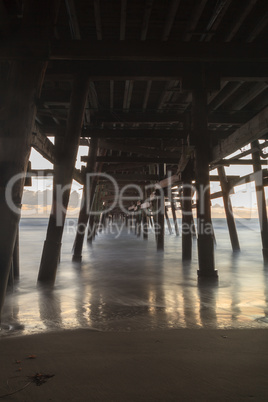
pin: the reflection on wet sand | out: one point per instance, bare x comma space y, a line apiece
124, 284
235, 288
208, 295
50, 308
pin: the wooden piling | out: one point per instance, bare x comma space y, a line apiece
16, 258
25, 79
173, 210
168, 221
160, 220
86, 201
187, 219
228, 208
202, 145
145, 225
261, 202
91, 217
64, 167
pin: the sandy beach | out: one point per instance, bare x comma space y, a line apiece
174, 365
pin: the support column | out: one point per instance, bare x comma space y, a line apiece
139, 219
25, 79
173, 210
64, 167
91, 217
228, 208
160, 220
167, 220
261, 202
16, 257
145, 225
87, 197
202, 151
25, 82
187, 216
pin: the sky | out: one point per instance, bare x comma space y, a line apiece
243, 200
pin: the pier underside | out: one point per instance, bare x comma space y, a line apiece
161, 93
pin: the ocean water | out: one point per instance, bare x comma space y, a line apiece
124, 284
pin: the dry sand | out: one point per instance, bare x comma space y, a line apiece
175, 365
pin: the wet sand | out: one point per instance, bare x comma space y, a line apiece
170, 365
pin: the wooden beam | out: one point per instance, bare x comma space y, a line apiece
134, 159
224, 94
43, 145
116, 146
97, 14
169, 181
171, 15
123, 19
138, 117
239, 21
76, 35
73, 21
147, 94
4, 19
164, 70
128, 94
134, 51
242, 162
133, 133
249, 95
132, 177
111, 94
259, 27
146, 18
244, 135
214, 117
197, 12
217, 16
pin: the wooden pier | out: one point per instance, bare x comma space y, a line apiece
162, 93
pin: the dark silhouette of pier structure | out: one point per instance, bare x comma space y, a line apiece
160, 92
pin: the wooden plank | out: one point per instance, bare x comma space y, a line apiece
249, 132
